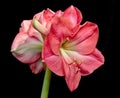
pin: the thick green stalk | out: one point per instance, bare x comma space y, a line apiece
46, 83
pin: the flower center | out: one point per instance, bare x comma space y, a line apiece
64, 53
63, 45
70, 56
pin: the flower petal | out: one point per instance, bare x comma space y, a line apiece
92, 62
72, 76
36, 67
54, 43
85, 40
86, 63
44, 16
55, 64
71, 17
53, 61
56, 35
25, 26
25, 48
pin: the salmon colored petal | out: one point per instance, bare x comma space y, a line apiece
25, 48
71, 17
54, 43
85, 40
72, 76
73, 80
47, 15
36, 67
56, 15
55, 64
59, 29
57, 33
46, 52
92, 62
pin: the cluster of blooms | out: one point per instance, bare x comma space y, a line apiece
58, 40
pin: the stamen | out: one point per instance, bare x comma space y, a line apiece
77, 61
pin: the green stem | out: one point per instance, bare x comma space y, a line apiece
46, 83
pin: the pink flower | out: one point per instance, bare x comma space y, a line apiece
70, 48
60, 40
27, 45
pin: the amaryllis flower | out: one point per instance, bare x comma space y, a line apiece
70, 48
27, 45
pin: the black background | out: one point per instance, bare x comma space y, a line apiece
17, 81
